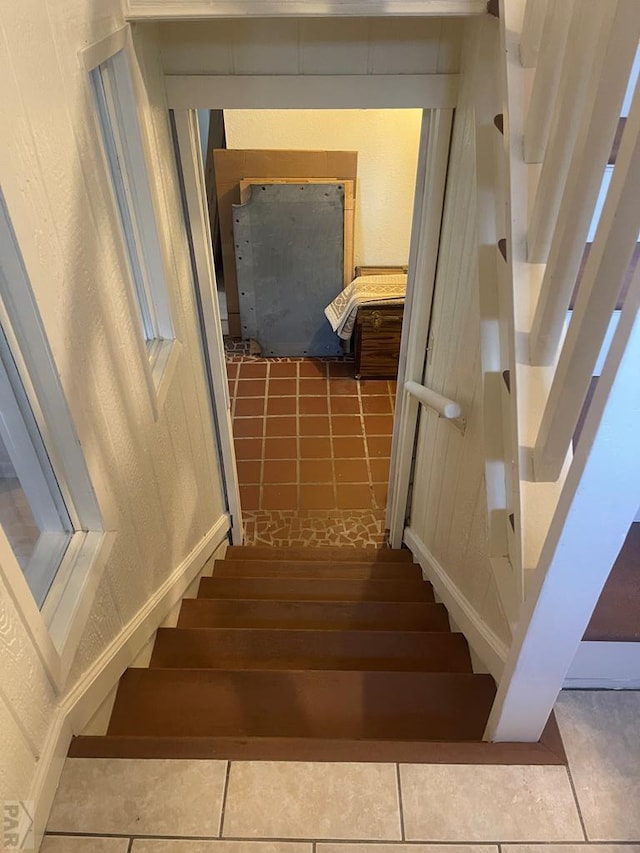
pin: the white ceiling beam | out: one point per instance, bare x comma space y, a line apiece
174, 10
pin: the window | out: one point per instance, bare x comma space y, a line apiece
32, 512
116, 106
54, 545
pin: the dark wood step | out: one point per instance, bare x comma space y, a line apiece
312, 589
613, 156
237, 568
332, 615
547, 751
245, 648
617, 614
314, 704
326, 554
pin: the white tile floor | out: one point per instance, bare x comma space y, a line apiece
118, 806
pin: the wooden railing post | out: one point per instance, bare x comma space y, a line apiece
608, 262
547, 77
593, 148
589, 23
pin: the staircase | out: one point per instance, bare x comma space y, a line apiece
303, 653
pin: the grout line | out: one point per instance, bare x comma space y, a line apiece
366, 446
263, 444
400, 804
298, 442
225, 792
130, 845
332, 453
577, 802
499, 845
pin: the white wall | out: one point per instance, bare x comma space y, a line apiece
156, 477
387, 146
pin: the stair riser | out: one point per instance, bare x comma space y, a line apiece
372, 616
299, 650
309, 569
302, 704
338, 554
284, 589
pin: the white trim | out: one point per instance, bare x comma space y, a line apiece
30, 616
605, 666
56, 630
129, 176
73, 593
84, 699
167, 10
190, 155
364, 91
164, 367
491, 650
425, 238
104, 49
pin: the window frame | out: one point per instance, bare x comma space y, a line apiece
110, 73
56, 629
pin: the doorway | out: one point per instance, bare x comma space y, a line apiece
313, 445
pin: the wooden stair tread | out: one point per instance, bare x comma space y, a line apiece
319, 703
224, 648
315, 589
333, 554
337, 569
315, 749
615, 618
333, 615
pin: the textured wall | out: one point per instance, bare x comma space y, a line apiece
449, 506
387, 146
156, 477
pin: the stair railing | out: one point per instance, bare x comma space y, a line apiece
445, 407
585, 85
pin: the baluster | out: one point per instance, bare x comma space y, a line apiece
589, 23
532, 28
609, 259
547, 77
593, 147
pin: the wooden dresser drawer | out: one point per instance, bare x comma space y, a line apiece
377, 343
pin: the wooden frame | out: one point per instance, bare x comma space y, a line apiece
435, 139
189, 154
349, 211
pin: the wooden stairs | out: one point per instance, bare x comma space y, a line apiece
306, 654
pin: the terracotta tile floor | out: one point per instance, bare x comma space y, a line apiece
313, 447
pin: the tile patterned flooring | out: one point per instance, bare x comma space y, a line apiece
313, 447
128, 806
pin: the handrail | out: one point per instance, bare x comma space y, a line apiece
445, 407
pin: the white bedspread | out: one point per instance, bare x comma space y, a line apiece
341, 313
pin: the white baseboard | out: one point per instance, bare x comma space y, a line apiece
486, 644
605, 666
84, 699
